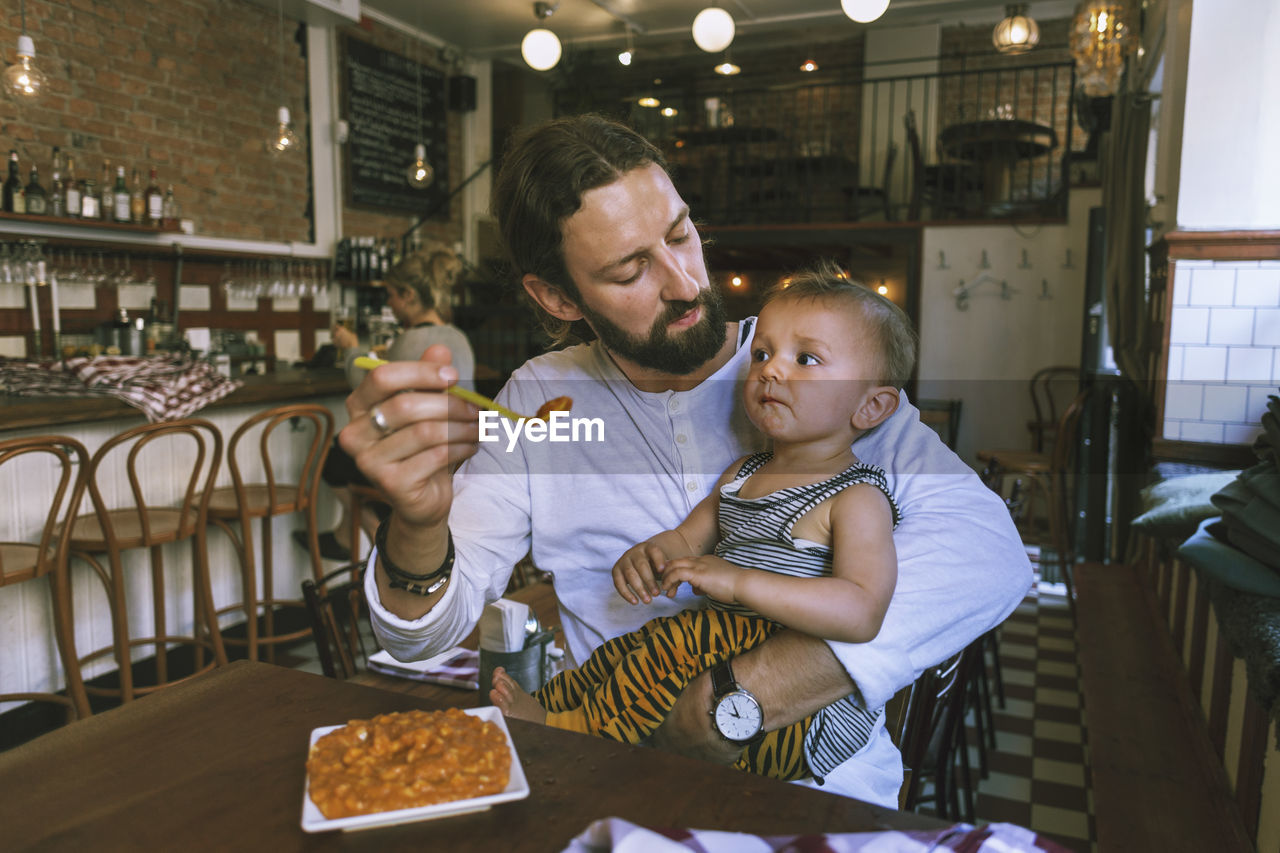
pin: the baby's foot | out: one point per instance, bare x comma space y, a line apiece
513, 700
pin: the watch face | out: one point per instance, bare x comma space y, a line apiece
738, 717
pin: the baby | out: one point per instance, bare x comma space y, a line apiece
797, 537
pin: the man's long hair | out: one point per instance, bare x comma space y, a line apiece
545, 172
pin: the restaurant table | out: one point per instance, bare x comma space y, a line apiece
997, 144
218, 763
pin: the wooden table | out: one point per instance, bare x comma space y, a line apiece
997, 144
217, 763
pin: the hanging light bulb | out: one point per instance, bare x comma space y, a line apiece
864, 11
713, 29
420, 174
808, 65
727, 68
23, 79
629, 52
284, 140
1018, 32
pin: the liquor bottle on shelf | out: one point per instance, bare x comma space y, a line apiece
155, 201
169, 210
37, 201
72, 192
120, 197
89, 202
106, 197
13, 197
57, 192
137, 200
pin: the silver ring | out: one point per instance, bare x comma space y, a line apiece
379, 420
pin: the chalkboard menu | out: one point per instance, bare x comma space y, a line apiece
380, 95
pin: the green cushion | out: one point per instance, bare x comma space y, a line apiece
1228, 565
1174, 507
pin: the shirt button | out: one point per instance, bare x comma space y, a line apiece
674, 405
681, 438
691, 486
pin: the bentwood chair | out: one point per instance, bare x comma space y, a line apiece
336, 606
61, 462
266, 483
933, 742
1051, 475
149, 487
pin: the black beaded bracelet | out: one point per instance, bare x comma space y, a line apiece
400, 579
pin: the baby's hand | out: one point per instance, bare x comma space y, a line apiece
635, 574
707, 575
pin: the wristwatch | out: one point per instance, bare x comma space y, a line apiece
736, 713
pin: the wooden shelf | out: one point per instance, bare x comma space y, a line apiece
97, 224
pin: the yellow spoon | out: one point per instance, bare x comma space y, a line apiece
369, 363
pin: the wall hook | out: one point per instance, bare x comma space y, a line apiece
942, 261
1025, 264
985, 265
1066, 264
1044, 289
1006, 292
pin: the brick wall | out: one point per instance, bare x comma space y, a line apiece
191, 86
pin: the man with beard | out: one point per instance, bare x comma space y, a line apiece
604, 246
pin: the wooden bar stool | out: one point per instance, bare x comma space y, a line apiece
160, 476
234, 508
46, 556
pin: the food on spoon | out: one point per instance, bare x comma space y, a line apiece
405, 760
555, 404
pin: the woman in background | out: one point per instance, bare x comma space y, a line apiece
419, 294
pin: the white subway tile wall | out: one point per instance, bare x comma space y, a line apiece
1224, 353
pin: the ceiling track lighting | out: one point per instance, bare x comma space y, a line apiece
23, 80
1018, 32
540, 47
713, 29
864, 11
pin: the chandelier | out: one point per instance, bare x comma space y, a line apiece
1101, 38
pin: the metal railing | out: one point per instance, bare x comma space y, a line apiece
969, 144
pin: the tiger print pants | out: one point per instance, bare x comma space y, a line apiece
628, 685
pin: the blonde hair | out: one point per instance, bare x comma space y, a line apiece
431, 274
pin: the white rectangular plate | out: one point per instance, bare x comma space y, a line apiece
517, 789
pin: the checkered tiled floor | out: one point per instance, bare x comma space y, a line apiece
1038, 774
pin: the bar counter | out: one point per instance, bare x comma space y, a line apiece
52, 414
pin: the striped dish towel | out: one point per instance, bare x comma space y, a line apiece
164, 387
617, 834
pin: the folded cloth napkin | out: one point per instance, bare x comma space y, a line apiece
457, 667
615, 835
165, 387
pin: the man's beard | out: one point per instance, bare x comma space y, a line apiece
679, 354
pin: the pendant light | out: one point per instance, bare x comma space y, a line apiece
420, 173
283, 141
713, 29
22, 79
541, 47
627, 54
1018, 32
864, 11
1101, 39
